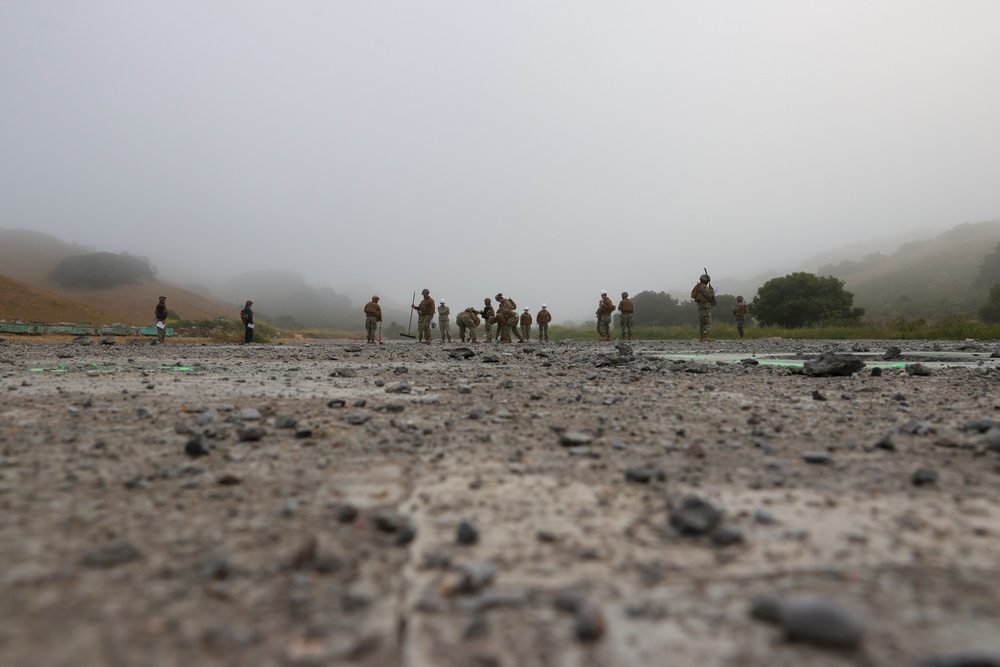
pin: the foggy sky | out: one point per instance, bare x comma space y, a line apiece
546, 149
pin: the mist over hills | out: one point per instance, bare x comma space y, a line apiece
903, 275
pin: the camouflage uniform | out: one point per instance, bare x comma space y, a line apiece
489, 319
604, 309
507, 319
444, 324
740, 309
705, 298
543, 318
468, 319
526, 325
373, 317
626, 308
425, 313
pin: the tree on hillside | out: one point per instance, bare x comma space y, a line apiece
989, 270
803, 299
661, 309
102, 269
990, 311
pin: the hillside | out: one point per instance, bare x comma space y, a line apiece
19, 301
29, 256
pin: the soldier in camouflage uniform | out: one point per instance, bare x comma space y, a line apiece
425, 313
626, 308
604, 309
543, 318
468, 320
525, 323
740, 309
444, 324
489, 318
373, 317
705, 298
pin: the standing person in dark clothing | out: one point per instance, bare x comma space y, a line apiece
247, 316
373, 318
543, 318
525, 323
627, 308
161, 319
489, 318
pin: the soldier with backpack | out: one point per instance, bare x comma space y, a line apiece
246, 316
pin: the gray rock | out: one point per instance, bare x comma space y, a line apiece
725, 536
924, 477
206, 418
476, 577
400, 370
575, 438
892, 353
389, 521
644, 474
831, 363
815, 620
111, 555
249, 414
917, 369
285, 421
818, 457
964, 659
357, 417
461, 353
251, 434
993, 439
695, 516
589, 624
400, 388
467, 533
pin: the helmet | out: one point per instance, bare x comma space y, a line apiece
442, 300
604, 291
543, 305
705, 278
425, 291
486, 300
624, 294
499, 296
375, 298
525, 310
739, 298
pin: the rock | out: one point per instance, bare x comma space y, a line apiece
965, 659
589, 624
917, 369
695, 516
194, 448
389, 521
644, 474
214, 566
467, 533
251, 434
924, 477
249, 414
400, 388
461, 353
831, 363
475, 577
490, 359
111, 555
725, 536
892, 353
817, 457
876, 372
817, 396
107, 341
993, 439
575, 438
82, 340
357, 417
346, 513
336, 403
229, 479
206, 418
886, 443
284, 421
464, 389
346, 373
815, 620
400, 370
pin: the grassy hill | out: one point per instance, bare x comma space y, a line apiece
928, 279
26, 260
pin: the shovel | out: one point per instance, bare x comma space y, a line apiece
412, 301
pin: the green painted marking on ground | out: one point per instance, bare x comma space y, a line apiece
57, 369
175, 368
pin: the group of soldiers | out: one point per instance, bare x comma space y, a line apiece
510, 324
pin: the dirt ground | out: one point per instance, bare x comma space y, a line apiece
399, 504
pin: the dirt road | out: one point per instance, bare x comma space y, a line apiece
565, 504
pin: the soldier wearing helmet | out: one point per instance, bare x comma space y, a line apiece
373, 317
626, 308
604, 309
444, 323
489, 318
425, 313
704, 296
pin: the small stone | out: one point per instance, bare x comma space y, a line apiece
400, 388
725, 536
964, 659
917, 370
476, 577
993, 439
357, 417
886, 443
815, 620
111, 555
644, 474
892, 353
251, 434
249, 414
575, 438
923, 477
817, 396
467, 533
346, 513
876, 372
389, 521
400, 370
194, 448
229, 479
818, 457
284, 421
589, 624
695, 516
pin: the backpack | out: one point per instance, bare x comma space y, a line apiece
243, 317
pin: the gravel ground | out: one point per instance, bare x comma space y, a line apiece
561, 504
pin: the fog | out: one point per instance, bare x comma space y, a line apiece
546, 149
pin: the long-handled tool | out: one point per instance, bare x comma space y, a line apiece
412, 302
379, 332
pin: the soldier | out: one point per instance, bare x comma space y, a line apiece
507, 319
604, 309
543, 318
468, 319
161, 319
626, 308
373, 318
444, 324
525, 326
489, 318
425, 313
705, 298
740, 309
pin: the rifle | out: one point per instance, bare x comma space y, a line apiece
710, 285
